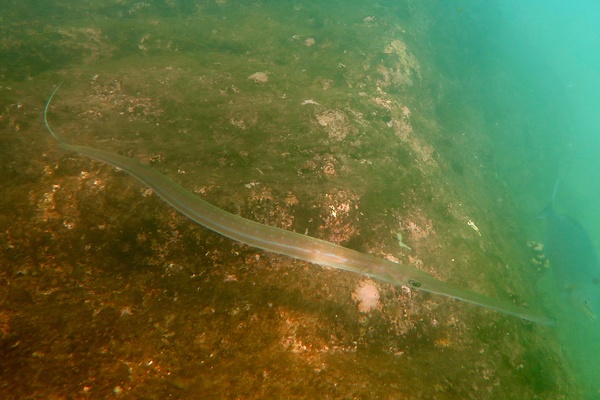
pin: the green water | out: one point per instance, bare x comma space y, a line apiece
350, 122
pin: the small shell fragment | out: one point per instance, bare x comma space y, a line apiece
473, 226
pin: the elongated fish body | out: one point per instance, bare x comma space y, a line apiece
290, 243
574, 261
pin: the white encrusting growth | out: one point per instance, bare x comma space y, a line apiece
367, 296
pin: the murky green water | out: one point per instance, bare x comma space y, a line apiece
350, 122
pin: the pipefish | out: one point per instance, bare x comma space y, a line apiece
285, 242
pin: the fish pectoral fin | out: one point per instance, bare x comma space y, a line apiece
588, 310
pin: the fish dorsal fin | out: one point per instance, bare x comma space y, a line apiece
554, 192
548, 211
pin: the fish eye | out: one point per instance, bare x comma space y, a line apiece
414, 283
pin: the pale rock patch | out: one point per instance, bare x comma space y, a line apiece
259, 77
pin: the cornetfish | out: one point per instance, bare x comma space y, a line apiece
285, 242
